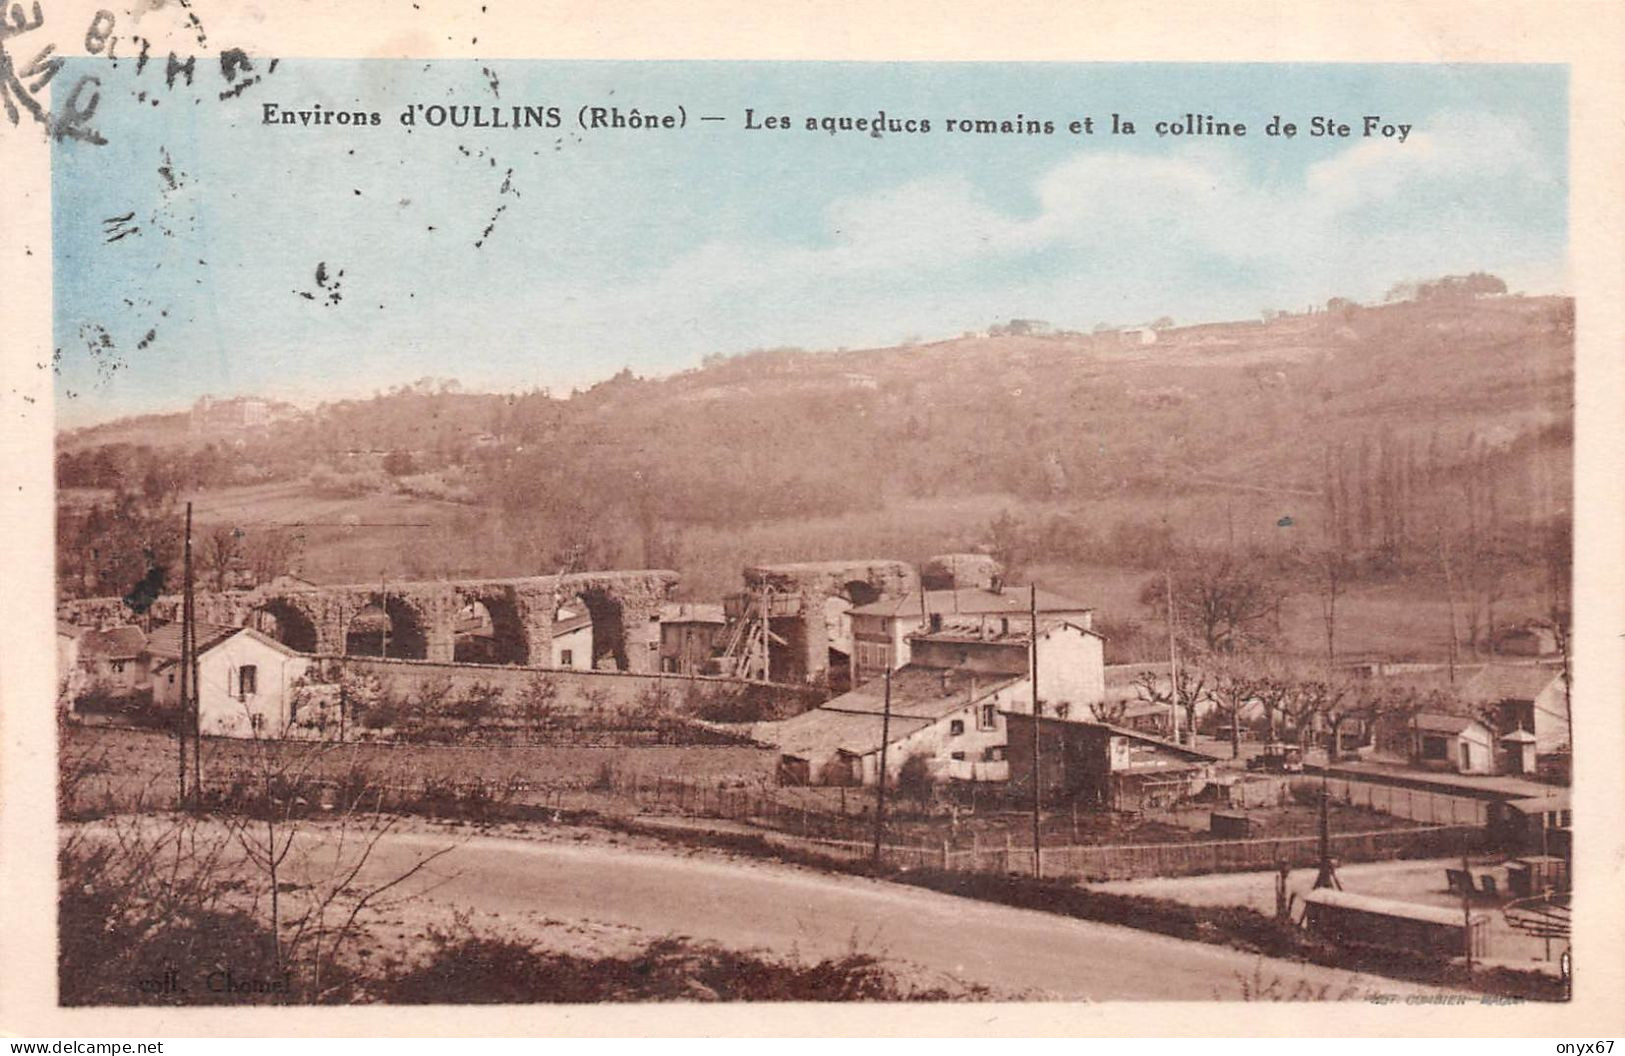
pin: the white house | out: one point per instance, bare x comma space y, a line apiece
1524, 697
245, 679
70, 678
948, 705
572, 640
110, 659
881, 630
1453, 742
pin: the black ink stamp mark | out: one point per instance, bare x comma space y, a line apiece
328, 285
507, 188
19, 86
119, 227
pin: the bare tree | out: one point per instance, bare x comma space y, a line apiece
1224, 602
1558, 555
1193, 690
1111, 712
218, 555
270, 552
1334, 701
1236, 686
309, 830
1330, 561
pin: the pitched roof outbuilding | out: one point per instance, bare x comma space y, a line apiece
852, 722
114, 643
1498, 682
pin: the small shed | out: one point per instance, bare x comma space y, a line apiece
1230, 824
1518, 748
1363, 920
1538, 824
1453, 742
1102, 766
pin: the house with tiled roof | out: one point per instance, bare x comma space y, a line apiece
692, 636
881, 630
948, 705
245, 679
1460, 743
572, 639
111, 658
1102, 766
951, 717
1530, 697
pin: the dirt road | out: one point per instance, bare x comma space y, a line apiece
790, 910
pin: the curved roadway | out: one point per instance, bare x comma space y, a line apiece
745, 904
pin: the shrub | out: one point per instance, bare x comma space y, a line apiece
473, 969
915, 779
476, 703
537, 699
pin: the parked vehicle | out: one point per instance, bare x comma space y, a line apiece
1278, 758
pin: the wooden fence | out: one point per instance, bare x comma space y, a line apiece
1135, 861
848, 838
1417, 804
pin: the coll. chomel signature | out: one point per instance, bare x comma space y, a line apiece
221, 981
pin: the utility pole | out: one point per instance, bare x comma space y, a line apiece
767, 634
186, 667
1327, 877
1450, 600
1173, 655
880, 783
1467, 910
383, 604
196, 709
1038, 846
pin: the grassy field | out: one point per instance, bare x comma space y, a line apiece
113, 769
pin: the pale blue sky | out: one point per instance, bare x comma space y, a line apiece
651, 249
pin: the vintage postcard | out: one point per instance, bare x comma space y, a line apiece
575, 529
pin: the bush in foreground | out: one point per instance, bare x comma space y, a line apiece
473, 969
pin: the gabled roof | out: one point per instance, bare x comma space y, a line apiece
1497, 682
114, 643
165, 643
921, 692
1556, 800
1439, 722
970, 601
68, 630
209, 636
570, 624
1326, 896
852, 722
970, 629
1120, 731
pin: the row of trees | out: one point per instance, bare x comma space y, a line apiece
129, 545
1296, 703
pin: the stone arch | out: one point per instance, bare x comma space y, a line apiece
490, 628
388, 626
608, 628
860, 592
289, 624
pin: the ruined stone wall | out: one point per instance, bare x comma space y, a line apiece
425, 614
814, 582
